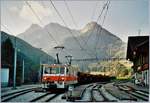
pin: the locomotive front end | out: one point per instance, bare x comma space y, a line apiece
54, 76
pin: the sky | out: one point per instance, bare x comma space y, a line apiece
124, 18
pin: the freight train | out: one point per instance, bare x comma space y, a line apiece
59, 75
63, 76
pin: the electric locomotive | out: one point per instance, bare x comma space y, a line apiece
58, 75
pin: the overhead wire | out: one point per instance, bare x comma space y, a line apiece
39, 19
11, 22
102, 23
96, 41
65, 23
99, 17
93, 13
42, 23
99, 31
56, 33
51, 36
74, 37
6, 28
67, 6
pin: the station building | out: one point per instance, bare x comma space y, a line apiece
138, 53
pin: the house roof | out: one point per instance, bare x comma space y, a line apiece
135, 42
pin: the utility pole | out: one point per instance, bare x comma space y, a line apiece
41, 71
48, 60
110, 55
139, 32
82, 65
15, 62
23, 71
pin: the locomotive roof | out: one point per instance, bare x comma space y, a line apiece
54, 65
60, 65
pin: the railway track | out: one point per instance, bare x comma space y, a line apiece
93, 93
77, 94
9, 96
138, 94
98, 96
83, 91
104, 97
88, 93
45, 97
40, 97
51, 98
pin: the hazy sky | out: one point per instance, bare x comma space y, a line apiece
125, 17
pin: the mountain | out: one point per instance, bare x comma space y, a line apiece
92, 41
96, 41
27, 49
39, 37
31, 55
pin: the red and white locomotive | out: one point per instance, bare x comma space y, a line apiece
58, 75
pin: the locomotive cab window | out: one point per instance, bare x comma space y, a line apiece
62, 70
54, 70
47, 70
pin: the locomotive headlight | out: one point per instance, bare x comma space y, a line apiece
44, 78
62, 78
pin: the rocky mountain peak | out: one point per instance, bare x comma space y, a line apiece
90, 26
33, 27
